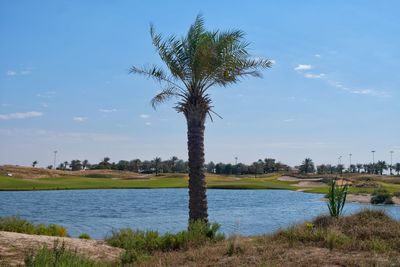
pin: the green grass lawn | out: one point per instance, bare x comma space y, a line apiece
169, 181
216, 182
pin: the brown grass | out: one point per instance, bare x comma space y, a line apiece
369, 238
34, 173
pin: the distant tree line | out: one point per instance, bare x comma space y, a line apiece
379, 167
176, 165
268, 165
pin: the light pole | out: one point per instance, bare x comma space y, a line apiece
391, 161
339, 167
55, 158
373, 161
236, 158
350, 161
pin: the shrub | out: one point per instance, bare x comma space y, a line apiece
335, 238
84, 236
140, 244
381, 196
59, 256
336, 199
19, 225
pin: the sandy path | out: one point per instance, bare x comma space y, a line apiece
366, 198
14, 245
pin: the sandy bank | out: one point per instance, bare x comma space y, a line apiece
13, 247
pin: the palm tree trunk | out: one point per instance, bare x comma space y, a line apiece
197, 182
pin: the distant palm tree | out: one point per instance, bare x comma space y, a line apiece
157, 163
397, 168
34, 163
381, 166
359, 167
307, 166
85, 164
196, 62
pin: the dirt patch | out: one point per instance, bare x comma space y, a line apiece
34, 173
309, 184
13, 247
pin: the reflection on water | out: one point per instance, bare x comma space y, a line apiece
97, 212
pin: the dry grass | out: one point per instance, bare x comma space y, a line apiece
34, 173
369, 238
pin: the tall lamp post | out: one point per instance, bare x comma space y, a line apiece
340, 164
55, 158
350, 161
373, 161
391, 162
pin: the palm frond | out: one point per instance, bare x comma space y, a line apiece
164, 96
155, 73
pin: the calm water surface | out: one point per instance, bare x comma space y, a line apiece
97, 212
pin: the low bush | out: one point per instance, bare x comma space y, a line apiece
141, 244
19, 225
84, 236
61, 257
381, 196
368, 230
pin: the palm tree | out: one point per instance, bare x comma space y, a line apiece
307, 166
397, 168
34, 163
381, 166
157, 162
359, 167
85, 164
196, 62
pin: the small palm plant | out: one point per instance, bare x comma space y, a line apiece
337, 198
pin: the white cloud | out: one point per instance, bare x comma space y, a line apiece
107, 110
144, 116
301, 67
366, 92
80, 119
148, 123
370, 92
314, 75
11, 73
273, 61
289, 120
26, 72
317, 55
48, 94
20, 115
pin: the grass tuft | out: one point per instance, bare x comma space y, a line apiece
60, 256
19, 225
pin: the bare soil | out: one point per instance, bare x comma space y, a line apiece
34, 173
14, 246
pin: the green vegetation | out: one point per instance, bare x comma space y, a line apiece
368, 230
336, 198
79, 182
381, 196
59, 256
140, 245
84, 236
19, 225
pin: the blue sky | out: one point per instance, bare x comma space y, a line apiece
64, 85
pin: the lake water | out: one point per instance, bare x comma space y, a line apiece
97, 212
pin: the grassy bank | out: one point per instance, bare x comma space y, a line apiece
368, 238
26, 178
81, 182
